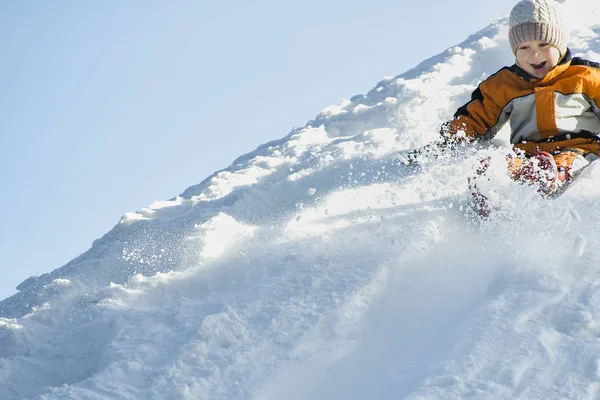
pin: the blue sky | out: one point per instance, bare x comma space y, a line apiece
107, 106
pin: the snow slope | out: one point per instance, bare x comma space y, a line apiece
321, 267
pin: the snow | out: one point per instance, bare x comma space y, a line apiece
319, 266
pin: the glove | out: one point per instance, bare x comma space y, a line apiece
448, 142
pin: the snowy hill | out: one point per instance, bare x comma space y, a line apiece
321, 267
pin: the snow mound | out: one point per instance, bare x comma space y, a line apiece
319, 266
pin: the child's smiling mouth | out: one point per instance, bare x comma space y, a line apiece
539, 67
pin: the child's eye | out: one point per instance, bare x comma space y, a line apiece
523, 47
544, 44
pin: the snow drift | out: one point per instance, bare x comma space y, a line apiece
321, 267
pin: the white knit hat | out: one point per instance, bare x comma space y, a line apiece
536, 20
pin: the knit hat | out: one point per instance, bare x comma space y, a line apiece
536, 20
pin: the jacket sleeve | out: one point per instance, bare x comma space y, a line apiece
594, 79
481, 117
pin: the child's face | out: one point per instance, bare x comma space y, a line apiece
537, 58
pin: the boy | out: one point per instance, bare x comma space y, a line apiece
551, 100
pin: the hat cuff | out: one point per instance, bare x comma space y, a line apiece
527, 31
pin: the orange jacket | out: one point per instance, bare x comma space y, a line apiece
561, 110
